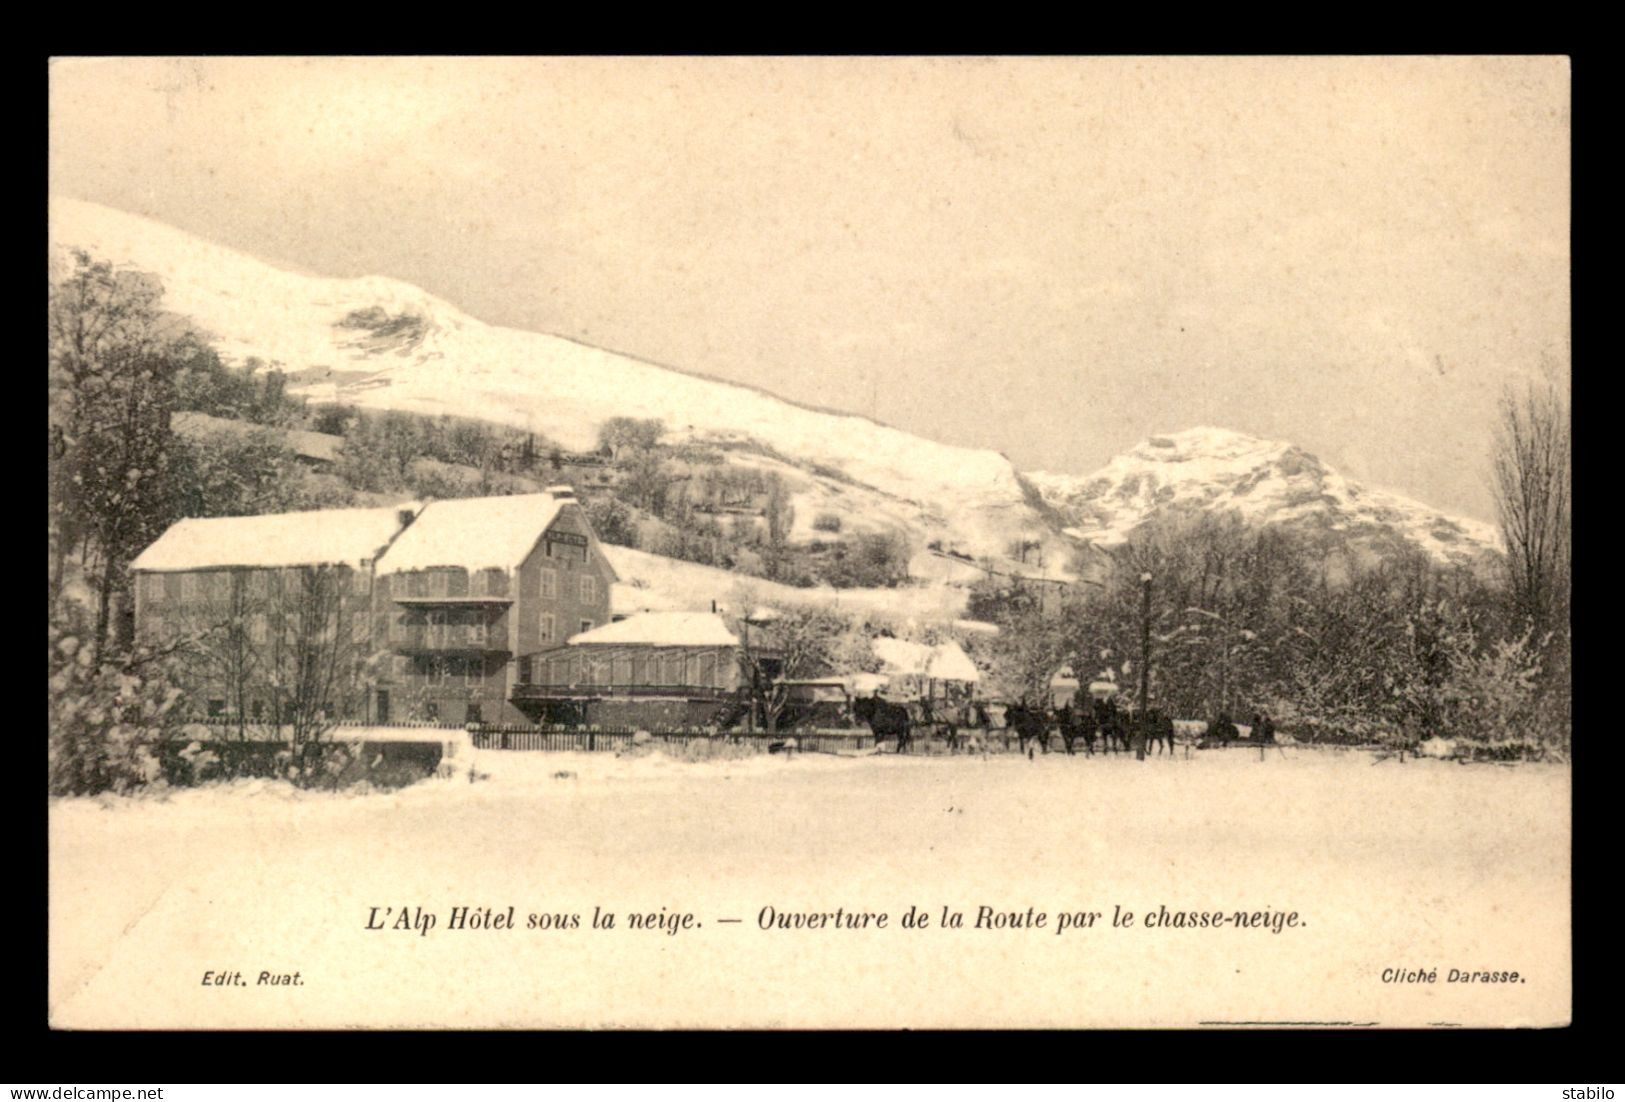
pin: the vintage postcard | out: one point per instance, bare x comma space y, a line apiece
636, 542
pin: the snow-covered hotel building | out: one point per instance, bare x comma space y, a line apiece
444, 601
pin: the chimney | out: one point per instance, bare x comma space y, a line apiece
562, 492
406, 516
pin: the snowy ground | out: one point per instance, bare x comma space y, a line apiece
1425, 864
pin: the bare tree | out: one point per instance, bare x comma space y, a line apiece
222, 654
795, 644
318, 658
1532, 489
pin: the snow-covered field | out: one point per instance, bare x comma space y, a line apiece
1425, 864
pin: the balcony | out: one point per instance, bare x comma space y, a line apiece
465, 600
533, 691
447, 639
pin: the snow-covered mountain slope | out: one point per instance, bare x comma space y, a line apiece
656, 583
1267, 482
385, 344
382, 343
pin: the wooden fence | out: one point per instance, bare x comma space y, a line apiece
591, 739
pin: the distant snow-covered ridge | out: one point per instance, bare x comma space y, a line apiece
1265, 481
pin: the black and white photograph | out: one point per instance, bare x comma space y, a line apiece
809, 542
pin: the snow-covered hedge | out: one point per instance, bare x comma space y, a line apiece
107, 719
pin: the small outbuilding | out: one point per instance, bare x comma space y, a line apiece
653, 669
1063, 688
941, 672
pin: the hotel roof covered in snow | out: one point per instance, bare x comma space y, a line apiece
320, 537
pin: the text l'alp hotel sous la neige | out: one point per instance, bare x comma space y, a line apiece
422, 921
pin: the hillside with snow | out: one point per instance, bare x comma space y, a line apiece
1268, 482
384, 344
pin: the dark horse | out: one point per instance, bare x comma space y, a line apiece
1030, 723
1159, 728
885, 719
1076, 723
1220, 731
1112, 725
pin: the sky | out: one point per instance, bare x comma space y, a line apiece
1055, 258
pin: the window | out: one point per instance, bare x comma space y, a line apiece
172, 587
358, 581
586, 625
524, 670
259, 628
550, 581
473, 711
546, 633
259, 583
623, 671
589, 589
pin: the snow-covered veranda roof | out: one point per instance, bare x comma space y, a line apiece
945, 662
475, 533
862, 684
663, 629
320, 537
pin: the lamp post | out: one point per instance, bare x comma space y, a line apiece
1145, 666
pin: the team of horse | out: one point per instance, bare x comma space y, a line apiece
961, 726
